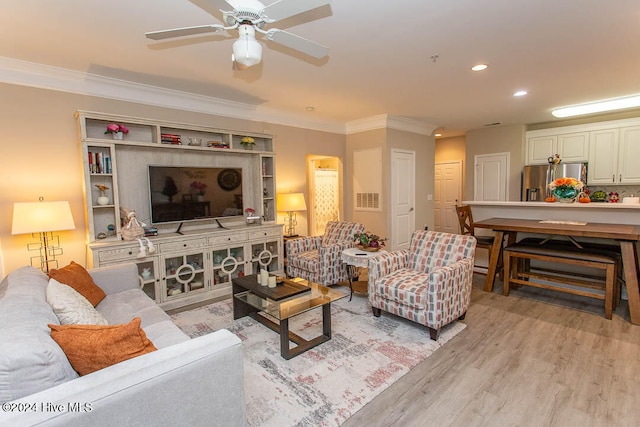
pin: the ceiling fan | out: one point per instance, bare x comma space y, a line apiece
249, 16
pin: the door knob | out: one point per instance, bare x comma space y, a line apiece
411, 209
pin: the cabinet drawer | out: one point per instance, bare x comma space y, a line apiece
269, 232
230, 238
117, 254
183, 245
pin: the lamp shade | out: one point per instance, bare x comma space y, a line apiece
35, 217
288, 202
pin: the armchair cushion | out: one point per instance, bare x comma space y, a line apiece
406, 287
340, 231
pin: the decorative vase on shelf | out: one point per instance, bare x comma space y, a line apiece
118, 135
566, 194
102, 200
200, 197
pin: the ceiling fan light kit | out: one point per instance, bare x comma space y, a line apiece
249, 16
246, 50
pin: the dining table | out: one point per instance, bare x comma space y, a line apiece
627, 235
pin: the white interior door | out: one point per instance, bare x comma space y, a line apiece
403, 197
491, 177
448, 190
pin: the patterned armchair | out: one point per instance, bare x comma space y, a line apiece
429, 283
318, 258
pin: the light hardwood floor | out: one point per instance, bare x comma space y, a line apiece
534, 358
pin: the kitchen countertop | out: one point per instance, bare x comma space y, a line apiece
592, 205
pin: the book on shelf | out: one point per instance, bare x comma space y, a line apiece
99, 162
170, 138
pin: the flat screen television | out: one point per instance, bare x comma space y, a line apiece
181, 193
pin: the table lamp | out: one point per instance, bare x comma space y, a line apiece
290, 203
43, 218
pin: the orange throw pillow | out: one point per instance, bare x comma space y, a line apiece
93, 347
79, 279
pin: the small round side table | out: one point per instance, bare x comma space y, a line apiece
356, 259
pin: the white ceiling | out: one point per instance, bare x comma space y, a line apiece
562, 51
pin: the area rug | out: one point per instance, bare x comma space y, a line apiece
329, 383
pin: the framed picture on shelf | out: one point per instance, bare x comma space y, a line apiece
187, 198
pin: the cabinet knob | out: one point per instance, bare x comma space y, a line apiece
130, 253
184, 245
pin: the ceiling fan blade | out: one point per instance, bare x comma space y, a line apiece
185, 31
213, 7
285, 8
298, 43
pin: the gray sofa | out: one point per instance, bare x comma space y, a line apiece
194, 382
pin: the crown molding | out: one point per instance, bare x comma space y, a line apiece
23, 73
387, 121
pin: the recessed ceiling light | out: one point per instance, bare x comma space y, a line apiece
598, 107
438, 135
520, 93
310, 108
479, 67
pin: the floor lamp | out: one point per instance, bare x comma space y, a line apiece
43, 218
290, 203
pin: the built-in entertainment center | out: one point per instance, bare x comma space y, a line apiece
195, 186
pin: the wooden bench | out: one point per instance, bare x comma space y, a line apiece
518, 270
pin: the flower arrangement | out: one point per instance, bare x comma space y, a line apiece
369, 241
247, 140
199, 187
249, 211
115, 128
564, 184
565, 189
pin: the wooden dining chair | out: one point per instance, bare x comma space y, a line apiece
485, 242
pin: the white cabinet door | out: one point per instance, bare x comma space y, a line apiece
540, 148
629, 156
491, 177
603, 157
574, 147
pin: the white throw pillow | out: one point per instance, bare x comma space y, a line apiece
71, 307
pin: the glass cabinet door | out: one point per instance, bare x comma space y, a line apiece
265, 255
184, 274
148, 277
227, 265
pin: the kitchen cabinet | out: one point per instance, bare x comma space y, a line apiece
572, 147
613, 156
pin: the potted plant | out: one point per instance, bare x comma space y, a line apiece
368, 241
117, 131
247, 142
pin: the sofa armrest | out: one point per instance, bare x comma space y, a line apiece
386, 262
116, 278
303, 244
199, 382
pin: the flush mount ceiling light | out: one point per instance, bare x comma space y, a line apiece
520, 93
479, 67
598, 107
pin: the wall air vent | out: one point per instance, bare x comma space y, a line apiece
368, 201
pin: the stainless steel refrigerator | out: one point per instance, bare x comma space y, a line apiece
535, 179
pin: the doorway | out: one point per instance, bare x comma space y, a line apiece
324, 178
448, 192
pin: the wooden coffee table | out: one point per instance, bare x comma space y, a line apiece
288, 299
